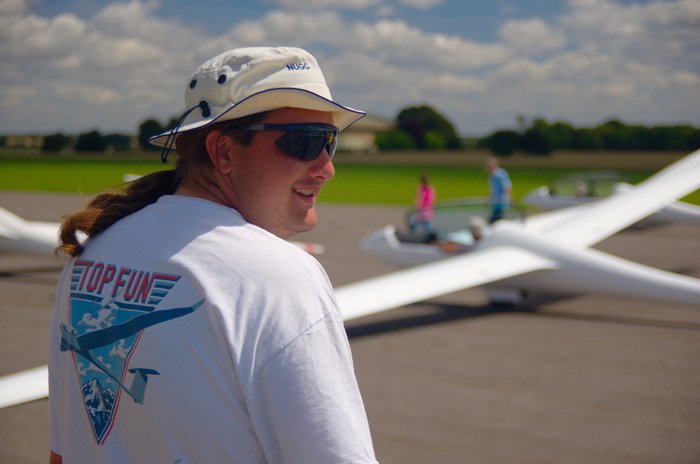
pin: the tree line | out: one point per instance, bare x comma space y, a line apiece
423, 128
94, 141
540, 137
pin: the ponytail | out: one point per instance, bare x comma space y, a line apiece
107, 208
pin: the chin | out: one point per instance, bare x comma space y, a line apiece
310, 219
297, 228
308, 224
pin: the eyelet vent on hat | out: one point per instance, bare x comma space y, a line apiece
206, 112
193, 83
222, 78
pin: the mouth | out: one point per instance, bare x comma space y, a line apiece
306, 194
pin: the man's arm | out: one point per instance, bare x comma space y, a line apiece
305, 404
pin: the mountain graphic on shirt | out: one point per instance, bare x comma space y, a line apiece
99, 403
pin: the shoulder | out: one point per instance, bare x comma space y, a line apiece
257, 262
500, 174
270, 256
506, 177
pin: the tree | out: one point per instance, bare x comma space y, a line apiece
541, 137
435, 140
559, 134
586, 139
420, 121
615, 135
54, 143
147, 129
502, 142
91, 141
394, 140
118, 142
535, 141
666, 138
692, 139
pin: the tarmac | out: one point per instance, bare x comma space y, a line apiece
454, 379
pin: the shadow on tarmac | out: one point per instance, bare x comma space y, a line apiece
445, 313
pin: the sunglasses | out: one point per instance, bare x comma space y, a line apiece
303, 141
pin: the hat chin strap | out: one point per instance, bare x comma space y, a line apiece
170, 141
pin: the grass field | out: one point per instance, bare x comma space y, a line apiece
364, 179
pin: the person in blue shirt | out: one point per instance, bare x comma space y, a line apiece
500, 188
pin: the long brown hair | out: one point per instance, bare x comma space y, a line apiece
109, 207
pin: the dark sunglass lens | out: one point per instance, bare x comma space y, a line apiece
307, 145
299, 145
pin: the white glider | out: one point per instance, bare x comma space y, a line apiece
19, 235
548, 252
593, 187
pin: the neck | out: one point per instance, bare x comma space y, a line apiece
205, 189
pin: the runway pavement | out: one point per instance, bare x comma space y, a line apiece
587, 379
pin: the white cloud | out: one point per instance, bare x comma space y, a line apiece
455, 84
662, 31
600, 58
12, 7
684, 78
27, 38
117, 66
293, 28
98, 94
531, 36
399, 42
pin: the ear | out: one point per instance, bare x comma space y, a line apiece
220, 148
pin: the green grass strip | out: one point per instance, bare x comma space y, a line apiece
391, 184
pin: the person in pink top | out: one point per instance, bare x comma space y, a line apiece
422, 221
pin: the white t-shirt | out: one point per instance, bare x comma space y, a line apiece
183, 334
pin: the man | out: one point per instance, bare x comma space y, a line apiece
500, 189
186, 329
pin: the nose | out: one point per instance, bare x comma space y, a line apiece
322, 167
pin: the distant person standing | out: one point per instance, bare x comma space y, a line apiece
422, 220
500, 187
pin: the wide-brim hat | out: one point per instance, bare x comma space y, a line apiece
251, 80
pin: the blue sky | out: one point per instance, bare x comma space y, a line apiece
77, 65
